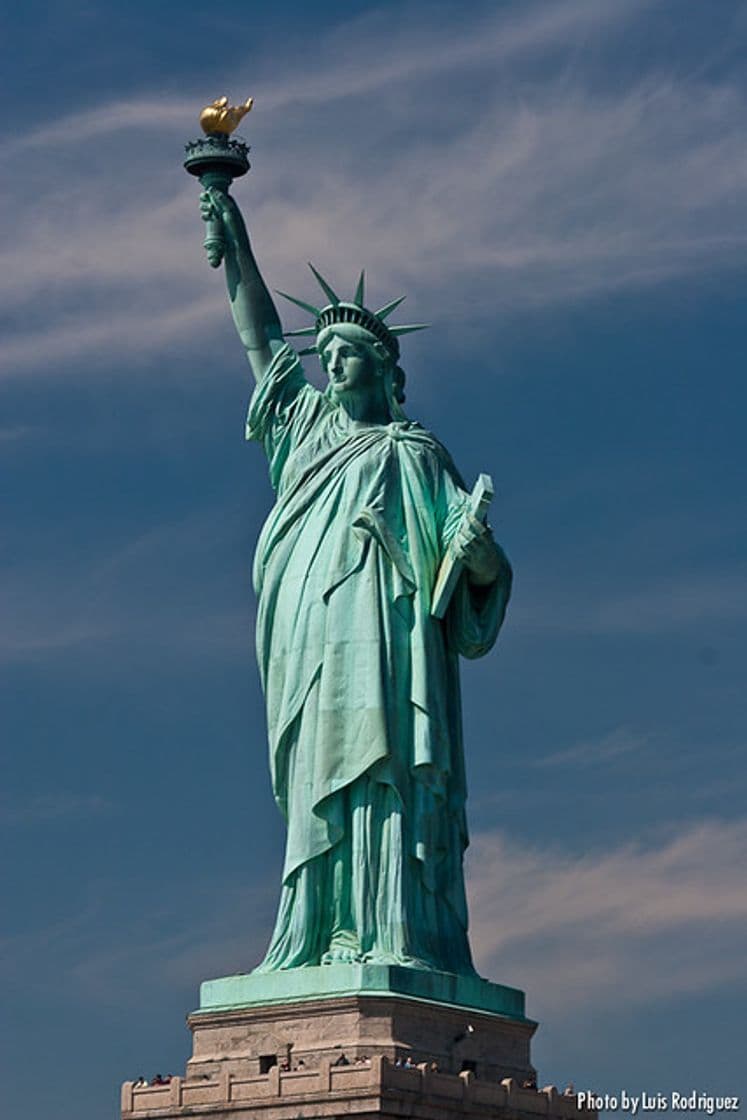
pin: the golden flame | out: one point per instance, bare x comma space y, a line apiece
221, 117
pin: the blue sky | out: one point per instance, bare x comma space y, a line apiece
561, 189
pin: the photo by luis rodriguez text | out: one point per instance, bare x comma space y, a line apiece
694, 1102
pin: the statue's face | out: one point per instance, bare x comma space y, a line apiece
349, 365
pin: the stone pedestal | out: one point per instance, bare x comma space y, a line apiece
373, 1091
379, 1043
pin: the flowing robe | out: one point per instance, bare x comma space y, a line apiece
361, 682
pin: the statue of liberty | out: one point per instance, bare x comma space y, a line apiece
360, 679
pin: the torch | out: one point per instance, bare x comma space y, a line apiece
217, 160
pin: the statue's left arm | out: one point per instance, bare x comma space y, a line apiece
484, 560
478, 606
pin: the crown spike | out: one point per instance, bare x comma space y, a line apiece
315, 311
388, 308
331, 295
358, 297
406, 330
300, 331
307, 350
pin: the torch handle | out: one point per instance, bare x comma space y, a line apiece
216, 161
214, 244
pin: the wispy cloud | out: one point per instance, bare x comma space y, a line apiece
686, 601
14, 433
229, 935
720, 596
630, 922
505, 38
45, 807
140, 113
511, 191
113, 333
595, 752
180, 935
130, 595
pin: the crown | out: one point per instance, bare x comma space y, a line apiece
351, 311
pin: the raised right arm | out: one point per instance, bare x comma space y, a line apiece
253, 311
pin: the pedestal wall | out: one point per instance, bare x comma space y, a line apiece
374, 1091
244, 1040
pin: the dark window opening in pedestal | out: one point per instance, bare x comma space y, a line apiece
266, 1062
468, 1065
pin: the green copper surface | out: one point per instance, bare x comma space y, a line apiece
299, 984
361, 681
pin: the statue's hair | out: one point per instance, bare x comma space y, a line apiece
394, 387
398, 384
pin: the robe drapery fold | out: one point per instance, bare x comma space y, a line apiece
361, 683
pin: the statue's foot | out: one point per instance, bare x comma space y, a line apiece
340, 955
343, 949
